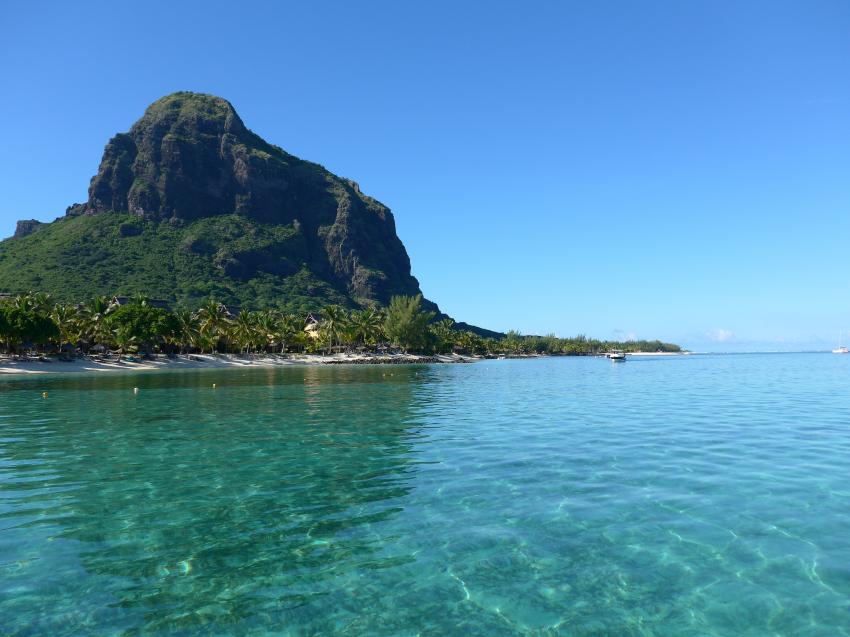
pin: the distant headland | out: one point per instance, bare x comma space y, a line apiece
198, 235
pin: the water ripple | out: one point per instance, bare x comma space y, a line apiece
702, 495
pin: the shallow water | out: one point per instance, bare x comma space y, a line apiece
702, 495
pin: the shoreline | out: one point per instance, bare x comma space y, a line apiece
10, 366
221, 361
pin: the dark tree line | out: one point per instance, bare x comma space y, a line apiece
33, 322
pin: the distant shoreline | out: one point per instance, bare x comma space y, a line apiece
11, 366
220, 361
683, 353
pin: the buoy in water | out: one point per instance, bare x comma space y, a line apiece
213, 385
135, 390
44, 394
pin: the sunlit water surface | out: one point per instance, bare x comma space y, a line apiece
703, 495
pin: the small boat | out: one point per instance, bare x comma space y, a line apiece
617, 356
841, 349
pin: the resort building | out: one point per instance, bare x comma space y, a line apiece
312, 327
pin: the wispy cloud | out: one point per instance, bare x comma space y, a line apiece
719, 335
623, 335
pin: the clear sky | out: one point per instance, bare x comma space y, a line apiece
664, 169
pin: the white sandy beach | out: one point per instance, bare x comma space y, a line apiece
208, 361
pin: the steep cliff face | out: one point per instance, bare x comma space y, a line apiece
190, 156
191, 174
26, 227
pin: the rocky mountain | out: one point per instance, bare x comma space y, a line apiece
190, 204
25, 227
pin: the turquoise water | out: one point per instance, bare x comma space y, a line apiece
703, 495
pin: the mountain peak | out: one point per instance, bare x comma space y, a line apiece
188, 111
226, 211
188, 156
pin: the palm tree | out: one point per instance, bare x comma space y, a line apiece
445, 333
468, 342
244, 330
93, 319
124, 338
187, 329
34, 323
288, 327
24, 302
367, 325
266, 324
348, 334
205, 342
214, 321
333, 323
42, 302
66, 319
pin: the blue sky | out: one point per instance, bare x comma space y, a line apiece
660, 169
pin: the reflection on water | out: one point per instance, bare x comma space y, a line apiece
685, 496
185, 505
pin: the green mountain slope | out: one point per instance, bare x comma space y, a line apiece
190, 204
228, 257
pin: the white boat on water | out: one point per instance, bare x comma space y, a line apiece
617, 356
841, 349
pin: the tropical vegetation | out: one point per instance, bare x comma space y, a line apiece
119, 326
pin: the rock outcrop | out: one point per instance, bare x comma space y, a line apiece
26, 227
189, 204
190, 156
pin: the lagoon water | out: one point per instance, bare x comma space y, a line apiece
702, 495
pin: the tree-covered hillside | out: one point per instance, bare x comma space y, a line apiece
235, 260
190, 204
